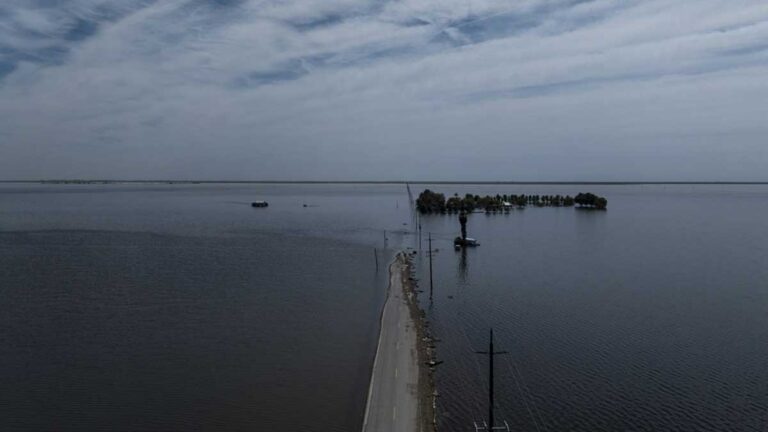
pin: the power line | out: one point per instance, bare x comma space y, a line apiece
491, 354
524, 397
478, 368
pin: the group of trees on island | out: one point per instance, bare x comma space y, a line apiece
434, 202
591, 200
430, 202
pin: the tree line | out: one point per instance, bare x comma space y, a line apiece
434, 202
591, 200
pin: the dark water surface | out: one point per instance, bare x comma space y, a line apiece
182, 308
652, 315
179, 307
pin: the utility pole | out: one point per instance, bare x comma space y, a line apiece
418, 227
490, 353
430, 267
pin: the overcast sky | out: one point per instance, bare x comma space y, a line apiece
384, 89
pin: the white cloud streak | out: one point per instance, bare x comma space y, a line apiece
352, 89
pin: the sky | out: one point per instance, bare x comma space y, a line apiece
515, 90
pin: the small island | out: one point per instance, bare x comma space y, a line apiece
434, 202
591, 201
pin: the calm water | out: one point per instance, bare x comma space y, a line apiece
182, 308
177, 307
650, 316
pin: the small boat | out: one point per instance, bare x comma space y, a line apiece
259, 204
458, 243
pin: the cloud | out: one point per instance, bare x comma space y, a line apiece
359, 88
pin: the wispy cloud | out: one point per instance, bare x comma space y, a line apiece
331, 88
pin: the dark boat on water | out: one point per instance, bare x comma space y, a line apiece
459, 243
259, 204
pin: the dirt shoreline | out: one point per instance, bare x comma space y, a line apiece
427, 392
401, 393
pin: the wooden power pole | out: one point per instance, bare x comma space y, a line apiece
490, 353
431, 287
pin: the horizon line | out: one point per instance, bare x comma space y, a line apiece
427, 182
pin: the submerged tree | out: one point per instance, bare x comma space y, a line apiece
430, 202
591, 200
601, 203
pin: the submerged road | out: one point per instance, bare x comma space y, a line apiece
393, 403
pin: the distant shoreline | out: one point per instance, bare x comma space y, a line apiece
383, 182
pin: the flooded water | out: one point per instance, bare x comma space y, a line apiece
178, 307
652, 315
183, 308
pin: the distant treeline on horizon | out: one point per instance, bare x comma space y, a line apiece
434, 202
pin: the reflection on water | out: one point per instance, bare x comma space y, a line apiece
462, 273
648, 316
